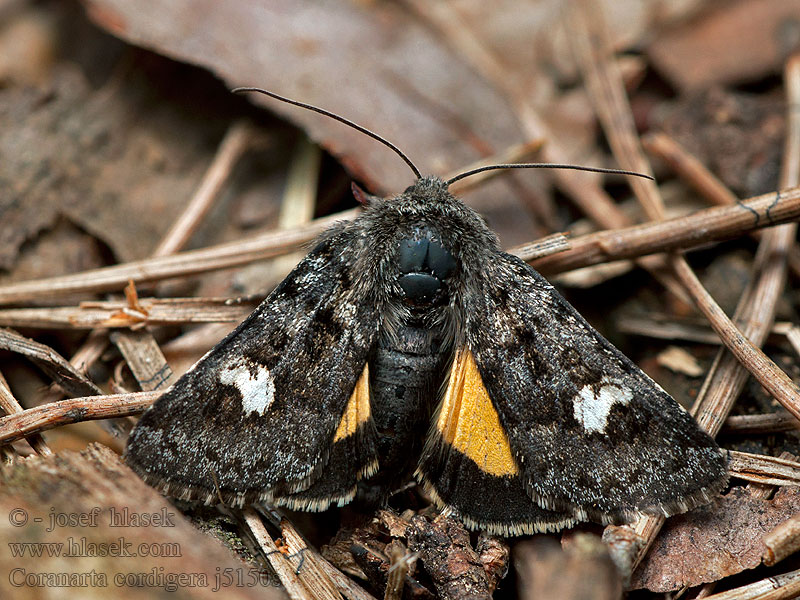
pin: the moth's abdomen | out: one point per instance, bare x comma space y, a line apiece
424, 264
406, 374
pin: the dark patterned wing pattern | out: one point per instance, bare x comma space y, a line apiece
591, 434
282, 397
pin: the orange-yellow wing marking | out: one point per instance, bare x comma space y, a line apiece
468, 421
357, 410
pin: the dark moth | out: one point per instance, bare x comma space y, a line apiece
407, 343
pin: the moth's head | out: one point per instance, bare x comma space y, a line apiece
428, 189
424, 265
424, 190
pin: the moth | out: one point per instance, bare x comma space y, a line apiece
407, 343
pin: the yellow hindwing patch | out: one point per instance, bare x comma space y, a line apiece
469, 422
357, 410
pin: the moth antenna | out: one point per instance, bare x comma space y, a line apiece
336, 117
452, 180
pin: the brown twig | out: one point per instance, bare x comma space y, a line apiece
680, 233
758, 424
316, 572
183, 264
73, 382
111, 314
89, 408
766, 372
10, 406
285, 570
764, 470
694, 173
782, 542
688, 168
777, 587
688, 329
307, 565
144, 358
238, 139
605, 87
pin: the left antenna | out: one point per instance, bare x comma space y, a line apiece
336, 117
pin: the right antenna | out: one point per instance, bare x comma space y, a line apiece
452, 180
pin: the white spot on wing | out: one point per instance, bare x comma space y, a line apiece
592, 405
255, 384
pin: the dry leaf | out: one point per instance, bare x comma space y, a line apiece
391, 70
735, 42
679, 360
70, 151
67, 499
714, 541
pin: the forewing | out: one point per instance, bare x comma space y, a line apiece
263, 413
591, 434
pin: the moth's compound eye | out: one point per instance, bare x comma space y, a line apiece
440, 261
424, 263
411, 257
425, 256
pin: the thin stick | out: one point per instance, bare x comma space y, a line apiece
285, 571
764, 470
73, 382
759, 424
776, 587
74, 410
112, 314
10, 406
238, 139
694, 173
314, 575
680, 233
182, 264
683, 232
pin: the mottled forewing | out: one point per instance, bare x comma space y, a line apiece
591, 433
256, 417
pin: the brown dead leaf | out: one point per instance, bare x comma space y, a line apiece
389, 68
735, 42
119, 164
79, 491
373, 63
714, 541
